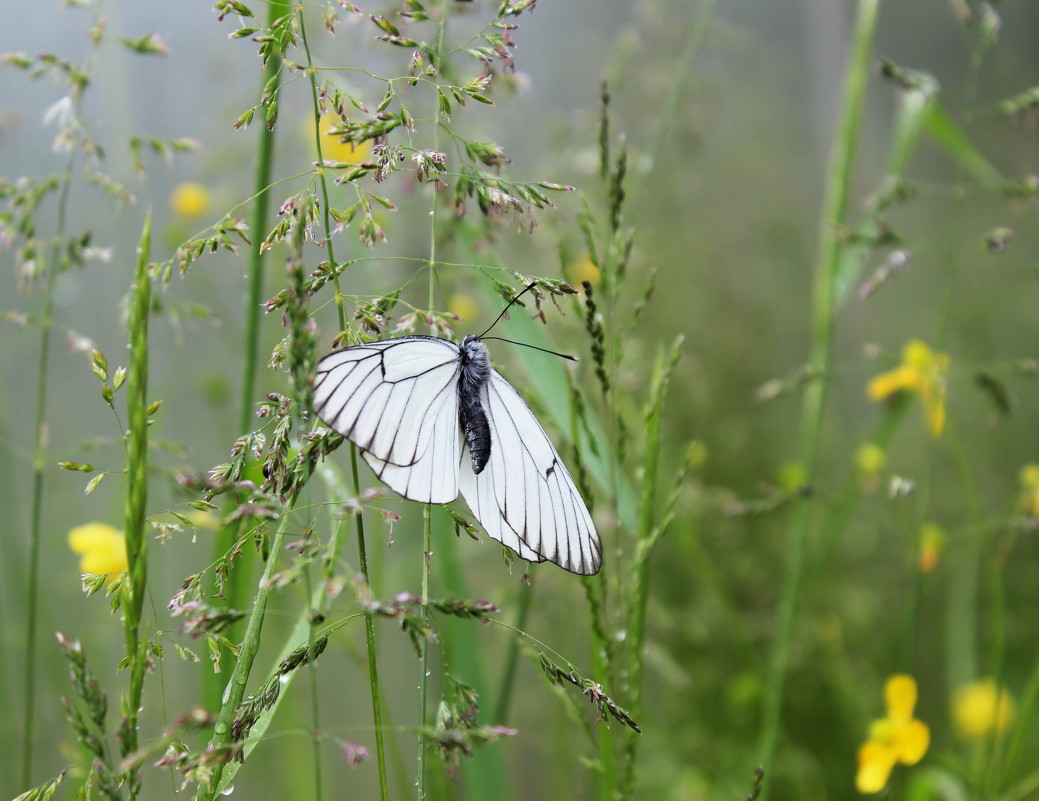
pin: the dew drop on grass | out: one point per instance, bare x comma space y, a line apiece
227, 790
284, 678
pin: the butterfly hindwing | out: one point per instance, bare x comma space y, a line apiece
433, 478
524, 497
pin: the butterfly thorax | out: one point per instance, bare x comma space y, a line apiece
476, 372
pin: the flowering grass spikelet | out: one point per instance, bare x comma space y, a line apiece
336, 150
101, 549
897, 738
922, 372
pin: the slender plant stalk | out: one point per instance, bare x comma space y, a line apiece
235, 690
369, 626
236, 587
39, 463
369, 633
672, 102
137, 494
258, 223
833, 218
508, 679
639, 589
420, 779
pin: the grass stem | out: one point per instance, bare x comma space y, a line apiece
832, 221
137, 494
420, 778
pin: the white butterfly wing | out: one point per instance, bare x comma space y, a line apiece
434, 477
397, 401
524, 497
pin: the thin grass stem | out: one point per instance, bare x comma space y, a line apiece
39, 463
235, 588
369, 626
833, 218
420, 778
369, 633
235, 690
137, 495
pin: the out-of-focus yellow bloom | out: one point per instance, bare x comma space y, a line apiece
209, 521
897, 738
332, 149
463, 305
922, 372
870, 459
981, 709
1030, 485
101, 548
791, 475
932, 544
189, 201
583, 270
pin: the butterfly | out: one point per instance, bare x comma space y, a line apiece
432, 418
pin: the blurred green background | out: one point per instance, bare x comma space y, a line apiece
728, 213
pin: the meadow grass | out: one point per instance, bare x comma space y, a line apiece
651, 684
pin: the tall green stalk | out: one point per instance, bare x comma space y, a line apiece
237, 585
369, 624
137, 494
39, 462
833, 219
369, 635
235, 690
420, 778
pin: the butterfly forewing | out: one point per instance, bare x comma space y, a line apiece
387, 397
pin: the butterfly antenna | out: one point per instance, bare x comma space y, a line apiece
506, 309
535, 347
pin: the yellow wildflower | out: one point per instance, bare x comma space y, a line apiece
897, 738
332, 149
870, 459
791, 475
981, 709
1030, 484
464, 305
932, 543
583, 270
922, 371
101, 548
189, 201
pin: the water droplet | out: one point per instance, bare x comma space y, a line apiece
429, 673
227, 790
284, 678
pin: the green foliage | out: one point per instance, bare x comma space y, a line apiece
771, 555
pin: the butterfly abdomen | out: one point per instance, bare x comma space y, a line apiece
476, 371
